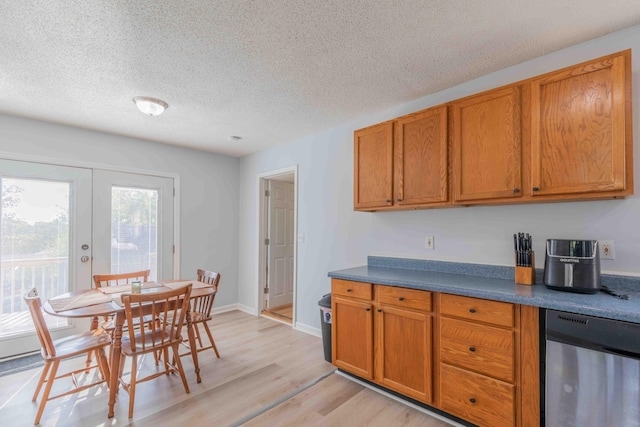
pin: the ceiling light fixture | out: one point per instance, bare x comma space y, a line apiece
150, 106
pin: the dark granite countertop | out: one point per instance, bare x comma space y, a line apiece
496, 283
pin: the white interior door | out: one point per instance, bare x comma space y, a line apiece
46, 243
281, 243
133, 224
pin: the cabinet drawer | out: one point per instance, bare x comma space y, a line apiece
351, 289
476, 398
403, 297
477, 347
481, 310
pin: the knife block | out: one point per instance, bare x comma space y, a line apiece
527, 275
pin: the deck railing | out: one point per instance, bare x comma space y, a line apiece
50, 276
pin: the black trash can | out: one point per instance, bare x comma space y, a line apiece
325, 322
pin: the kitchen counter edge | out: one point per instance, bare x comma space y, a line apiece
599, 305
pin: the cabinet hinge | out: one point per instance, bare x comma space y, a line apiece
266, 241
267, 193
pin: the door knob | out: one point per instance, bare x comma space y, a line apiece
84, 258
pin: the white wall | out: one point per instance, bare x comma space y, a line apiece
336, 237
208, 186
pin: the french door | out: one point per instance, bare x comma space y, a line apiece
45, 237
60, 225
133, 224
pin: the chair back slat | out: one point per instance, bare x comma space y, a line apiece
101, 280
204, 304
169, 306
209, 277
32, 300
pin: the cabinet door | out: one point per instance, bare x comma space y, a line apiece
404, 352
487, 146
578, 128
373, 166
352, 336
420, 145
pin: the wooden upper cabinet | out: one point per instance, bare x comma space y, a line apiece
373, 166
565, 135
421, 160
581, 138
487, 146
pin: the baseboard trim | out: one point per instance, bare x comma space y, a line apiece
245, 308
250, 310
308, 329
225, 309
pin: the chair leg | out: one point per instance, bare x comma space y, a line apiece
165, 352
123, 358
47, 390
213, 343
103, 364
88, 361
198, 337
132, 383
90, 354
176, 349
43, 376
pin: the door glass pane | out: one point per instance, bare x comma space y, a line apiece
34, 249
134, 241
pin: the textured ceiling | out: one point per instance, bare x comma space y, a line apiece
269, 71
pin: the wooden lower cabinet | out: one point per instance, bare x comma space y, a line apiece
404, 355
477, 398
352, 336
473, 358
478, 359
480, 348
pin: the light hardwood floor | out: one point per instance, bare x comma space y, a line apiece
261, 362
284, 313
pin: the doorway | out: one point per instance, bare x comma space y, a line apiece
277, 231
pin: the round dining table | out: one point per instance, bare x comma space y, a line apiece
111, 308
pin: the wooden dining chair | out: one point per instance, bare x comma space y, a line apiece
170, 308
104, 280
54, 352
201, 312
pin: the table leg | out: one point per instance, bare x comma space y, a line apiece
193, 346
114, 361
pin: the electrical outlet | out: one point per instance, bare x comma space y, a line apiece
428, 242
607, 250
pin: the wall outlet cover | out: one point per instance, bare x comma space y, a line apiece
429, 243
607, 249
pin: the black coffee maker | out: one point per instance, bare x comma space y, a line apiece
572, 265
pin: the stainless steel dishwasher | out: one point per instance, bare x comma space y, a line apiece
592, 371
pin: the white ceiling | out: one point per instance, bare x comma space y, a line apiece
269, 71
